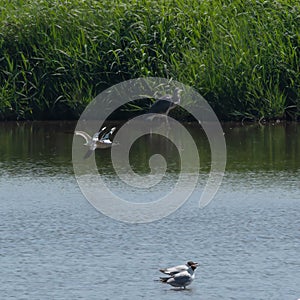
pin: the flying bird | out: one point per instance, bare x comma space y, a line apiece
100, 140
164, 104
180, 276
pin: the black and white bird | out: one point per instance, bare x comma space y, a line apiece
177, 269
180, 276
164, 104
100, 140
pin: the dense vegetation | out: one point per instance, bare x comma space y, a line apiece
242, 56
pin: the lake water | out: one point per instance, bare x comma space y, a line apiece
55, 245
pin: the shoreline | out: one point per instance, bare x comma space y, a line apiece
243, 59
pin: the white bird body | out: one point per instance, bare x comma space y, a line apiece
180, 276
98, 141
181, 279
177, 269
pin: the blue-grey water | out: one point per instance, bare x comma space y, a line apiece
55, 245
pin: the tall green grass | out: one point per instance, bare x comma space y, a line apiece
242, 56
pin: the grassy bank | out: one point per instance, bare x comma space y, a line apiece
242, 56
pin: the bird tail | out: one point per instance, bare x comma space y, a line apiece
164, 279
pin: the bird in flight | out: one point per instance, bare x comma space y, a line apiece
164, 104
100, 140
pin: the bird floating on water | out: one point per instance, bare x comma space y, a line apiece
164, 104
180, 276
177, 269
100, 140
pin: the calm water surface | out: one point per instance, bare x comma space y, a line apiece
55, 245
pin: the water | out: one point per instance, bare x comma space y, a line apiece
55, 245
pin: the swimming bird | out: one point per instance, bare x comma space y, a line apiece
100, 140
164, 104
181, 279
177, 269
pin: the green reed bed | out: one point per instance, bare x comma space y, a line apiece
242, 56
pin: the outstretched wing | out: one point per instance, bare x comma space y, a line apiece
97, 135
85, 135
88, 154
107, 136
